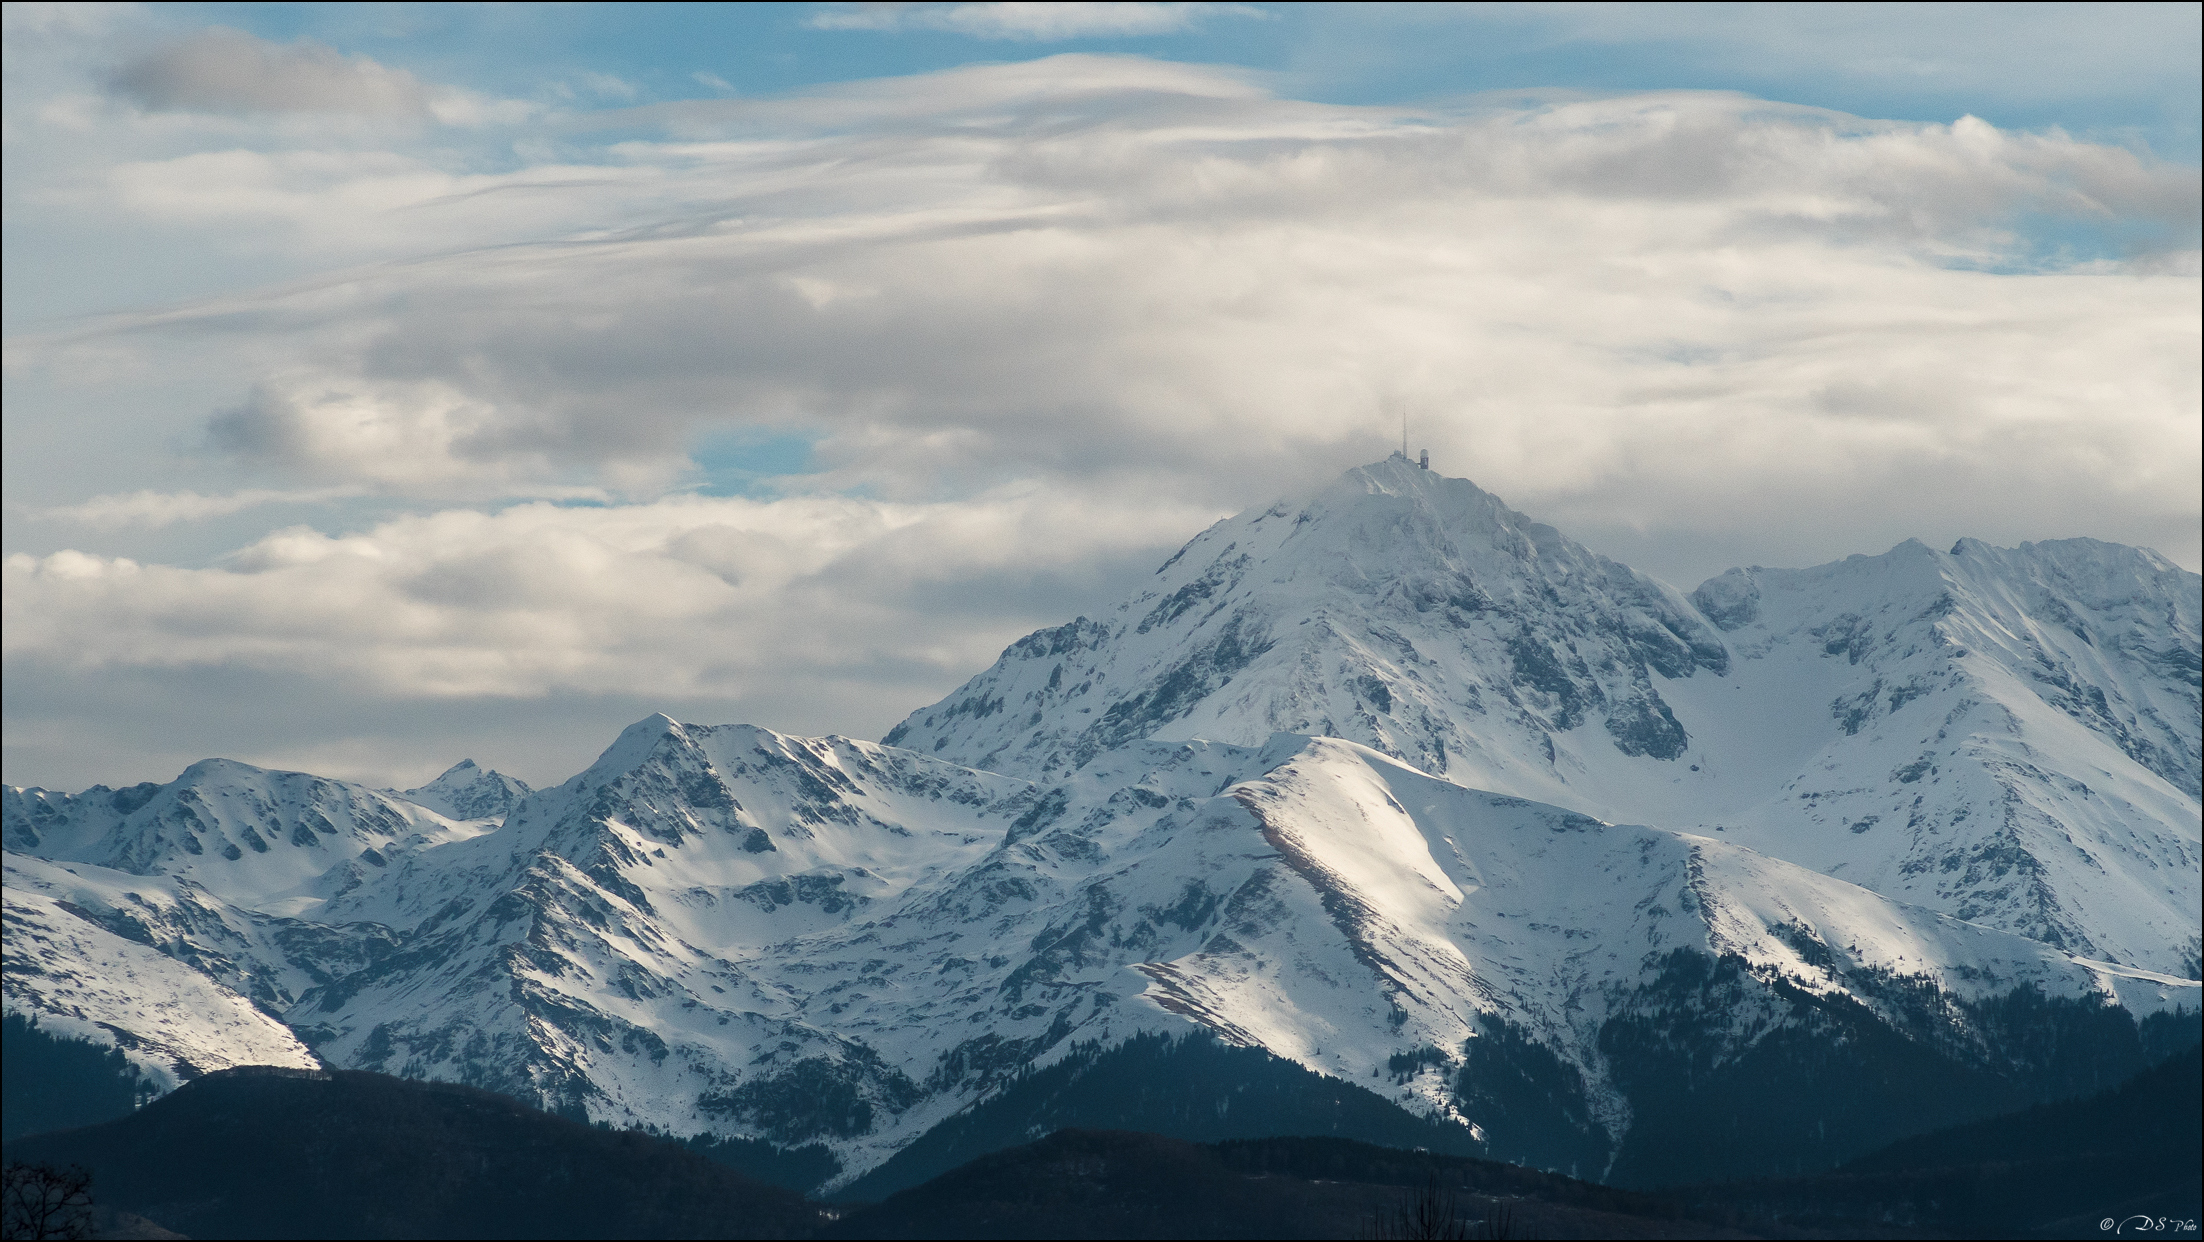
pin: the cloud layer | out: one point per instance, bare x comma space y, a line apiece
1033, 324
802, 609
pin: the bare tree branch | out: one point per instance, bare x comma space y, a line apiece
40, 1201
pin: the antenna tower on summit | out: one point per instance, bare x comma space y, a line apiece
1422, 463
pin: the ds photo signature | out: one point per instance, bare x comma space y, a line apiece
2147, 1224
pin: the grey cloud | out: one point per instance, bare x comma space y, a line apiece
1897, 398
223, 70
264, 427
406, 438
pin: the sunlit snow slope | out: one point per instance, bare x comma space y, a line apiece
2009, 736
83, 981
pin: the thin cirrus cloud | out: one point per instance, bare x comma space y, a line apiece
153, 510
1034, 324
1027, 21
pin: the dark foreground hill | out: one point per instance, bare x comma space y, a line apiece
1119, 1184
289, 1153
1195, 1088
2055, 1170
48, 1082
2131, 1155
269, 1153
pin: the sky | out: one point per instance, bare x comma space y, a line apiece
392, 384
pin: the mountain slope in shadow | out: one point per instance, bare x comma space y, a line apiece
1196, 1088
1120, 1184
2055, 1170
276, 1153
53, 1082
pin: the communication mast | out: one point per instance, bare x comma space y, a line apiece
1423, 462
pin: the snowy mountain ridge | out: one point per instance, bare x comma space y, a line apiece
1988, 732
278, 842
1929, 803
465, 791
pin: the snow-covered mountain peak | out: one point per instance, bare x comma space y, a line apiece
468, 792
2106, 634
2010, 735
266, 839
1860, 717
739, 817
1394, 528
1397, 607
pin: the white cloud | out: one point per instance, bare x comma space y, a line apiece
768, 604
1066, 19
1021, 304
1180, 278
